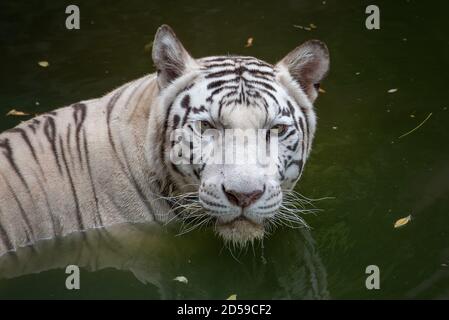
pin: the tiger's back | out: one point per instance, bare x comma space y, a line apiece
70, 169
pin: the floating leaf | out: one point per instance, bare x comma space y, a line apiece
43, 64
392, 90
14, 112
181, 279
249, 42
309, 28
232, 297
402, 222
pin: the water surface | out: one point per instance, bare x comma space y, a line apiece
358, 158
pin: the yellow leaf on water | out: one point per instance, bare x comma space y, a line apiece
181, 279
402, 222
43, 64
249, 42
14, 112
232, 297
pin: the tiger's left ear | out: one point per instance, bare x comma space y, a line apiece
308, 64
169, 56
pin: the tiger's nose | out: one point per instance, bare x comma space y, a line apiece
243, 199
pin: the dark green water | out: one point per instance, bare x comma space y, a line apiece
358, 158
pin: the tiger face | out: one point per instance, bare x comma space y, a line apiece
237, 130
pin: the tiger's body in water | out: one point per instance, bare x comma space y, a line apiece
102, 176
104, 161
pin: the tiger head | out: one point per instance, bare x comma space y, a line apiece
231, 106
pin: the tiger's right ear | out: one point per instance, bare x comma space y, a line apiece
169, 56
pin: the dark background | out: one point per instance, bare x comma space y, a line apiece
358, 158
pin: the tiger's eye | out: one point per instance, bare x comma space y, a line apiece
281, 128
205, 125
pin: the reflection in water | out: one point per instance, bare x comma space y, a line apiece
155, 256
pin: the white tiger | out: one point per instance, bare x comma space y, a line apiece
105, 161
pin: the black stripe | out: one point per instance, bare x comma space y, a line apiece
134, 92
213, 203
269, 75
164, 133
280, 172
266, 85
259, 63
218, 90
89, 171
109, 108
294, 147
30, 146
176, 169
176, 119
69, 148
128, 172
185, 103
27, 141
298, 163
203, 166
139, 190
79, 218
50, 133
165, 127
196, 174
79, 115
209, 66
34, 124
292, 132
292, 112
7, 152
304, 151
269, 94
56, 230
306, 118
269, 206
221, 73
218, 59
5, 238
201, 109
223, 98
29, 228
219, 83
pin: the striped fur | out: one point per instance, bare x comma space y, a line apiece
105, 161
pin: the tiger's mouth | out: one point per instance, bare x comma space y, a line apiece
240, 230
